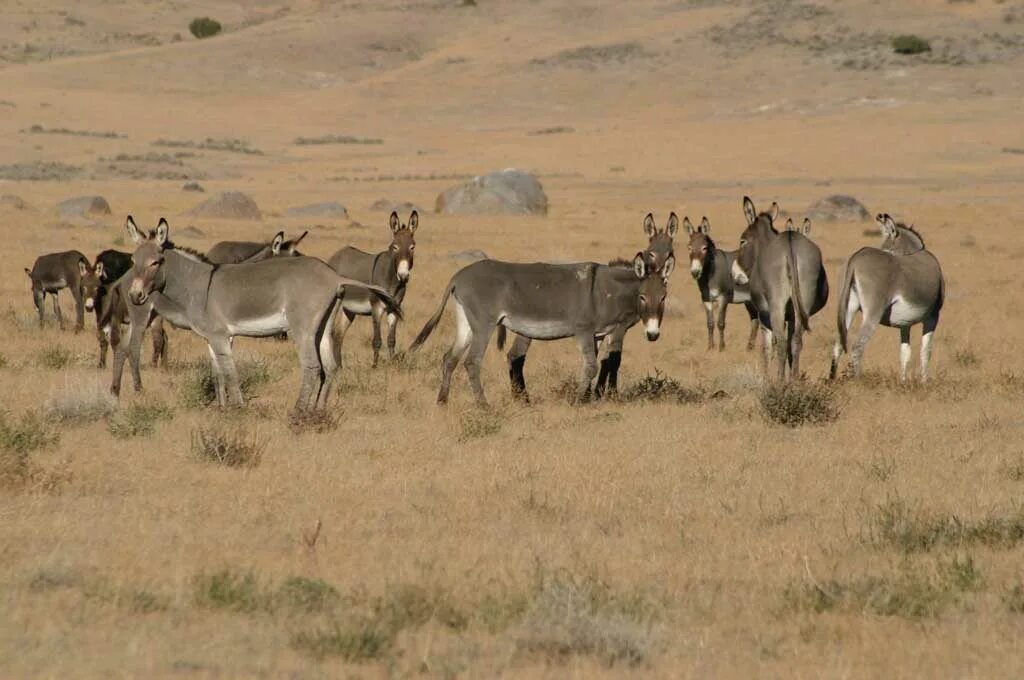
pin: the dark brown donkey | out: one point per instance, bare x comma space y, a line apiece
52, 273
390, 269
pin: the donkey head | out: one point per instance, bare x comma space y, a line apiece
701, 246
659, 241
804, 229
279, 247
759, 225
92, 280
147, 261
653, 289
38, 296
403, 243
898, 238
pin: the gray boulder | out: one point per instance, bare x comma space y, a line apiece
229, 205
83, 208
507, 192
328, 209
838, 208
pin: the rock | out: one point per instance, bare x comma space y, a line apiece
84, 207
193, 186
508, 192
192, 232
13, 202
388, 206
229, 205
467, 256
838, 208
328, 209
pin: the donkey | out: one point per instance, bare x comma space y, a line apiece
52, 273
659, 249
898, 285
236, 252
787, 283
219, 302
390, 269
586, 301
711, 268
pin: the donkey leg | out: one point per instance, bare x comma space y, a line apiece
376, 312
120, 354
76, 296
104, 341
330, 357
609, 372
463, 336
723, 307
796, 344
218, 377
159, 343
754, 326
868, 325
588, 349
927, 333
904, 352
767, 344
392, 334
782, 348
709, 314
56, 311
852, 307
309, 362
516, 362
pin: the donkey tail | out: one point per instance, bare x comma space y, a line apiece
794, 282
390, 303
432, 322
844, 303
502, 333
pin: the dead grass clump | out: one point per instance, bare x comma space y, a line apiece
54, 357
17, 442
799, 403
913, 594
1013, 469
1014, 599
660, 387
895, 525
966, 358
138, 420
308, 595
355, 642
230, 447
4, 363
232, 591
318, 421
77, 405
479, 423
199, 387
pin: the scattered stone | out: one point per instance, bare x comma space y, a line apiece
83, 209
327, 209
507, 192
838, 208
193, 186
228, 205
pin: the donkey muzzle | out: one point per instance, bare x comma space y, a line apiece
696, 267
653, 329
403, 271
89, 304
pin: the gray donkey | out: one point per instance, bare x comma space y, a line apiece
711, 268
219, 302
390, 269
236, 252
898, 285
659, 249
787, 283
586, 301
52, 273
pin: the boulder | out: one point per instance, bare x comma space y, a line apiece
83, 208
328, 209
13, 202
838, 208
193, 186
228, 205
507, 192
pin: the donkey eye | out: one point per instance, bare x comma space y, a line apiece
412, 247
643, 298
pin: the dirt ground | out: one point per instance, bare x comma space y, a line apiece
683, 536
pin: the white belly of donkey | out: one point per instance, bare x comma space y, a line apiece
271, 324
903, 313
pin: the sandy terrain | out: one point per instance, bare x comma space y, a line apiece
650, 538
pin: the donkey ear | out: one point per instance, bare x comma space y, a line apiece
133, 231
414, 220
888, 225
806, 228
668, 267
639, 266
705, 226
99, 269
773, 212
688, 225
789, 224
295, 243
275, 245
29, 272
394, 222
749, 211
162, 229
650, 228
83, 267
673, 225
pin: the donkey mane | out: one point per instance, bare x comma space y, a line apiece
620, 262
910, 228
190, 253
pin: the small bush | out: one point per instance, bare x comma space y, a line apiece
1014, 599
897, 526
799, 403
199, 388
54, 357
204, 27
318, 421
17, 442
477, 423
230, 590
80, 405
660, 387
307, 594
138, 420
910, 44
235, 448
356, 642
966, 358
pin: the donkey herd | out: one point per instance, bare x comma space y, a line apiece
270, 289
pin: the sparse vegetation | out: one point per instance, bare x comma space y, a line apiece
204, 27
478, 423
76, 405
910, 44
54, 357
896, 525
43, 130
336, 139
660, 387
231, 447
17, 441
199, 387
966, 358
211, 144
318, 421
138, 420
799, 403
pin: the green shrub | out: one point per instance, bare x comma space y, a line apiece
204, 27
231, 590
910, 44
17, 441
138, 420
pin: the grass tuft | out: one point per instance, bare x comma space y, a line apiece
232, 448
54, 357
318, 421
78, 405
17, 442
895, 525
799, 403
199, 387
479, 423
910, 44
661, 387
138, 420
